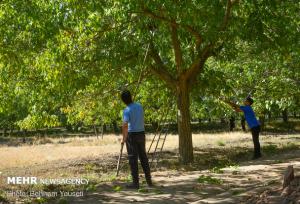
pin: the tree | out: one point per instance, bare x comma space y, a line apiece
183, 35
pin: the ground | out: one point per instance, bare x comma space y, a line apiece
223, 171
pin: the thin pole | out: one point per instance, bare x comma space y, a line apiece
119, 159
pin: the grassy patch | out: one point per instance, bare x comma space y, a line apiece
270, 149
290, 146
2, 198
217, 170
158, 191
279, 126
62, 201
170, 163
117, 188
91, 187
219, 163
237, 192
221, 143
143, 190
39, 201
209, 180
89, 167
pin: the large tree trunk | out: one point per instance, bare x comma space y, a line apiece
184, 125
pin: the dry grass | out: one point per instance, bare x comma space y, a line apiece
91, 147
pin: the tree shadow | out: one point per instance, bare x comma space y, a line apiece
239, 185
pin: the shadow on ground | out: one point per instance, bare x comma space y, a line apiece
239, 179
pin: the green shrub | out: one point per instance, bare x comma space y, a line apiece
217, 170
91, 187
117, 188
221, 143
209, 180
143, 190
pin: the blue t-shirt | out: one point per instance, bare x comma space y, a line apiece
133, 114
250, 116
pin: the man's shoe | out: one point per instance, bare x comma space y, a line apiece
133, 186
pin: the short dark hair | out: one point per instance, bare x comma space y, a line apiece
250, 100
126, 97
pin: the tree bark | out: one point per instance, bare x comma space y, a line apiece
285, 115
243, 123
288, 176
184, 126
115, 126
5, 132
95, 131
262, 121
222, 120
231, 123
11, 131
269, 116
102, 130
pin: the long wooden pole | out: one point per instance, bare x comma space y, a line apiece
119, 159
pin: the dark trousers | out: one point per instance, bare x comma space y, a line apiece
135, 145
255, 137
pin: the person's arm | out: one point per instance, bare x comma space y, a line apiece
124, 131
233, 105
126, 117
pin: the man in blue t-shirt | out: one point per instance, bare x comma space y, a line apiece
134, 136
253, 123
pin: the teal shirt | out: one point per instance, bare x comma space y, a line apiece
133, 114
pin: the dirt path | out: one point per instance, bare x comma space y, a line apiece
239, 185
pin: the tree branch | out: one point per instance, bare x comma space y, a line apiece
160, 69
229, 5
189, 28
177, 49
197, 35
164, 76
197, 66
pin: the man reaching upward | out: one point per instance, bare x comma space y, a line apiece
253, 123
